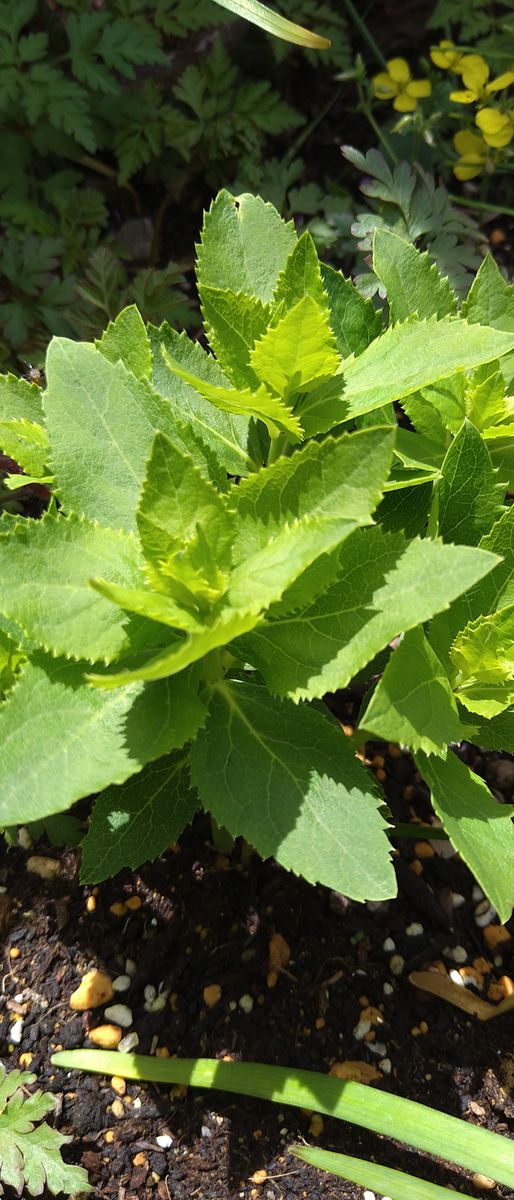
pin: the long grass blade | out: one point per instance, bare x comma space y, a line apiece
393, 1184
272, 22
414, 1124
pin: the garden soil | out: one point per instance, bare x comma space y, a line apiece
199, 919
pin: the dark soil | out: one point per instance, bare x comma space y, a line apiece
206, 919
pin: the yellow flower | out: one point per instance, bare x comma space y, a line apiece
472, 152
475, 75
497, 127
446, 56
397, 84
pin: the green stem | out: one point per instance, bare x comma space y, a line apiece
364, 32
430, 833
277, 448
365, 108
483, 205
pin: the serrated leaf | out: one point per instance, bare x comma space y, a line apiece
101, 423
45, 585
61, 740
386, 586
30, 1154
150, 604
411, 279
412, 355
233, 323
490, 301
478, 826
20, 400
469, 498
413, 703
136, 822
284, 778
229, 436
259, 403
494, 734
126, 340
354, 321
296, 352
300, 277
26, 443
244, 246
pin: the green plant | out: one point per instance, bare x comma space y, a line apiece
241, 532
271, 22
413, 1124
30, 1150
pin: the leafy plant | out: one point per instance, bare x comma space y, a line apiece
271, 22
413, 1124
239, 533
30, 1150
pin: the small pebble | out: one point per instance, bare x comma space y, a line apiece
119, 1014
46, 868
128, 1043
130, 967
459, 954
477, 893
94, 990
388, 945
14, 952
133, 903
164, 1141
388, 988
377, 1048
484, 914
483, 1181
415, 929
118, 1085
108, 1037
396, 964
211, 995
456, 977
361, 1029
458, 900
91, 904
121, 983
316, 1125
158, 1004
118, 1109
16, 1032
368, 1195
118, 909
246, 1003
24, 838
150, 993
385, 1065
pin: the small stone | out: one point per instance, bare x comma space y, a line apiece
356, 1071
121, 983
118, 1109
495, 935
16, 1032
94, 990
388, 989
316, 1125
133, 903
415, 929
119, 1014
279, 952
388, 945
118, 909
477, 893
459, 954
456, 977
130, 967
46, 868
158, 1004
109, 1136
484, 914
128, 1043
424, 850
14, 952
162, 1052
91, 904
211, 995
396, 964
106, 1036
118, 1085
259, 1177
25, 1060
164, 1140
483, 1181
24, 838
246, 1004
458, 899
139, 1160
361, 1029
386, 1066
368, 1195
150, 993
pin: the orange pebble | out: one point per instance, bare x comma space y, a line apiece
507, 984
133, 903
211, 995
162, 1052
495, 935
424, 850
416, 866
118, 909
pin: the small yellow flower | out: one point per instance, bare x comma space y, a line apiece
472, 152
475, 75
397, 84
497, 127
446, 56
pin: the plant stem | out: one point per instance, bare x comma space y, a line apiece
483, 205
365, 108
364, 32
277, 448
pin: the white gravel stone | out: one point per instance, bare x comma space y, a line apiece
164, 1141
458, 900
388, 945
388, 989
158, 1004
368, 1196
246, 1003
150, 993
119, 1014
16, 1032
121, 983
361, 1029
477, 893
484, 914
415, 929
128, 1043
377, 1048
456, 978
130, 967
459, 954
396, 964
386, 1065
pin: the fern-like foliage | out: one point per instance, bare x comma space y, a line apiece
30, 1150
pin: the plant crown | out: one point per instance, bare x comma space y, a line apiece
239, 533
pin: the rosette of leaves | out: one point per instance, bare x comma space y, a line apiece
30, 1150
244, 529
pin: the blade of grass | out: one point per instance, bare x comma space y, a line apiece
384, 1180
272, 22
415, 1124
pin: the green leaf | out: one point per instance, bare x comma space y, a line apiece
413, 702
405, 510
285, 779
136, 822
490, 301
45, 587
468, 497
414, 354
396, 1184
386, 586
485, 648
20, 400
495, 734
355, 322
30, 1153
101, 422
301, 277
479, 827
177, 505
233, 323
259, 14
244, 246
468, 1146
298, 351
26, 443
126, 340
229, 436
61, 740
260, 403
412, 280
153, 605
